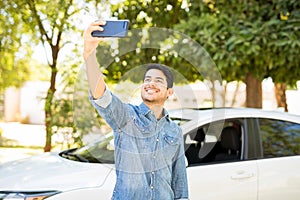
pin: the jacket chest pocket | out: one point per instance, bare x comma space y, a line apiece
171, 140
168, 151
170, 146
144, 126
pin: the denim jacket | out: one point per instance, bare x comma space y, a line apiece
149, 153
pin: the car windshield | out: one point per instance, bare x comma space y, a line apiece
101, 151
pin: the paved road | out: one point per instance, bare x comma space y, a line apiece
10, 154
14, 134
25, 135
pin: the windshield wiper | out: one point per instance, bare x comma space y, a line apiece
69, 155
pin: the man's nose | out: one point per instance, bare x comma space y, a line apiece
152, 83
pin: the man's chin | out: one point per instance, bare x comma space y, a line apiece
148, 100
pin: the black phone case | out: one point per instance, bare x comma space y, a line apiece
116, 28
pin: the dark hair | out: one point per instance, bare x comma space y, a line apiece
164, 69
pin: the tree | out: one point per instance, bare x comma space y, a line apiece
284, 67
143, 15
241, 36
53, 23
207, 29
14, 68
50, 20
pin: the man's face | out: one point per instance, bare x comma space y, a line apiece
154, 89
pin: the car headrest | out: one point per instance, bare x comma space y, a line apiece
200, 135
230, 138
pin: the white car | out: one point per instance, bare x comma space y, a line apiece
244, 154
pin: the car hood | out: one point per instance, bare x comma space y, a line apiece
49, 171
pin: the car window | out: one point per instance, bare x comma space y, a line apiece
220, 141
279, 138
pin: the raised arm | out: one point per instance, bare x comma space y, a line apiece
94, 75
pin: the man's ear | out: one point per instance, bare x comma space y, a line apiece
170, 92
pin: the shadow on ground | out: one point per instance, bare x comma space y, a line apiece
7, 142
11, 150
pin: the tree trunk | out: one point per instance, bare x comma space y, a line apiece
253, 92
280, 95
48, 110
213, 94
50, 95
48, 143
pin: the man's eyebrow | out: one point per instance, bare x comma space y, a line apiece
157, 77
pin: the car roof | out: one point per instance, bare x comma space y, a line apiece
225, 113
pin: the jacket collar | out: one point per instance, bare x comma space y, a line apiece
146, 110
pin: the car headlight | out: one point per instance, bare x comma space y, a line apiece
26, 195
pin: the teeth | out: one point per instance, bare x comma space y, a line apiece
151, 91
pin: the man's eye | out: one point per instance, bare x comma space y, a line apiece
147, 80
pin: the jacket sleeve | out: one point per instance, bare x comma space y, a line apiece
112, 109
179, 176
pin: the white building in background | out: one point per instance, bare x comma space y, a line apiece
292, 97
11, 103
28, 102
32, 104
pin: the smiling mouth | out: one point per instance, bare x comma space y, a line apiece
151, 90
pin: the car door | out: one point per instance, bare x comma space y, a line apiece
224, 178
279, 169
226, 181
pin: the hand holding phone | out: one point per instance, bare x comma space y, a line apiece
113, 28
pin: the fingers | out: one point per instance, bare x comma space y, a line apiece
98, 23
90, 42
94, 26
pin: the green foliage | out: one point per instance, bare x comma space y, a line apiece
51, 22
143, 14
54, 25
151, 13
14, 68
85, 116
260, 38
73, 116
257, 37
285, 44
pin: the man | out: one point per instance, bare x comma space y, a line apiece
149, 152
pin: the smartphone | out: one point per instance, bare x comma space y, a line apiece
113, 28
